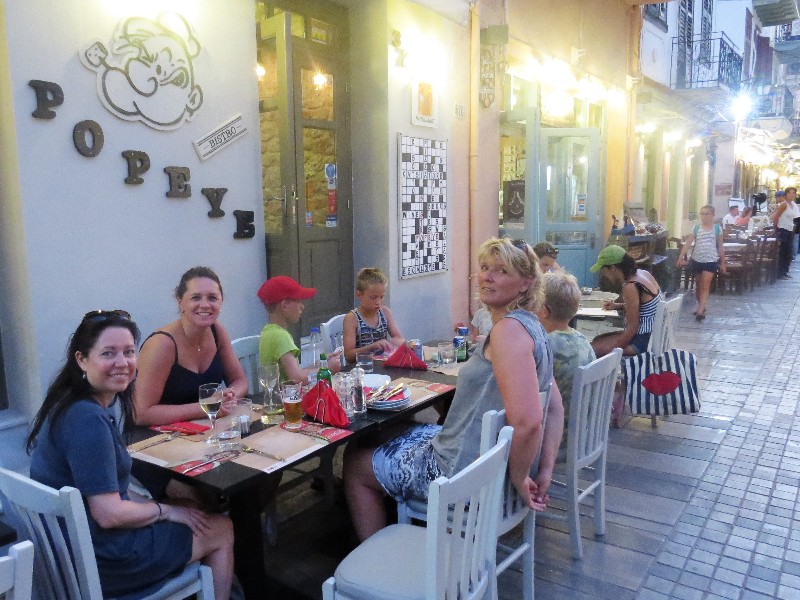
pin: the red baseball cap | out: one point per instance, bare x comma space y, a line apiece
277, 289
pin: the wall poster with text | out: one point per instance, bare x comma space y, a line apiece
422, 191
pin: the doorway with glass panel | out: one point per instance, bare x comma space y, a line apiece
550, 188
305, 148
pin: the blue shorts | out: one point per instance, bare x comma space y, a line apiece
698, 267
406, 465
640, 342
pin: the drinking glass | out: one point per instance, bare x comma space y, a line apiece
268, 377
447, 353
210, 396
237, 424
365, 361
291, 395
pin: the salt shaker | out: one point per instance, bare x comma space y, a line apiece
359, 402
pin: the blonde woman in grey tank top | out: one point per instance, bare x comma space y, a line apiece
507, 370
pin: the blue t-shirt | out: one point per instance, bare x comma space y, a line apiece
86, 451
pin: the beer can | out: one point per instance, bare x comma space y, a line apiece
460, 345
463, 331
416, 346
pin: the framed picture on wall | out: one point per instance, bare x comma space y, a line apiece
424, 104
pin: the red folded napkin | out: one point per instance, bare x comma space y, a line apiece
322, 404
184, 427
404, 357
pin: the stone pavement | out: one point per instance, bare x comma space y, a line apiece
700, 507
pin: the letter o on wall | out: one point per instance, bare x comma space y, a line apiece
79, 138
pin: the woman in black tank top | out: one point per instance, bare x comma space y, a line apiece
177, 358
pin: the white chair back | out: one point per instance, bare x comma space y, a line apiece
664, 325
587, 443
451, 559
590, 409
332, 333
246, 350
16, 572
513, 510
462, 527
65, 564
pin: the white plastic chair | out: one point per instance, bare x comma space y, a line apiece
512, 510
453, 558
664, 324
332, 332
16, 572
65, 565
246, 350
587, 444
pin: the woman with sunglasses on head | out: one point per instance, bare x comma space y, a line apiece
74, 441
640, 294
547, 255
508, 370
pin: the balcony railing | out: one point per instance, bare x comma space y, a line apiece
703, 63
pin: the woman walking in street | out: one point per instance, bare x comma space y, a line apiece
708, 257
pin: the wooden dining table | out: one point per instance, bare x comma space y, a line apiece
239, 479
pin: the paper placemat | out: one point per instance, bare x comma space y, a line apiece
451, 369
179, 453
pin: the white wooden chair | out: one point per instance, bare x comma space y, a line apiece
246, 349
512, 510
65, 567
587, 444
453, 558
16, 572
332, 332
664, 325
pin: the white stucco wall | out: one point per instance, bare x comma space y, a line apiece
86, 239
381, 108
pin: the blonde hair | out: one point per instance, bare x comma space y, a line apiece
561, 295
370, 276
519, 256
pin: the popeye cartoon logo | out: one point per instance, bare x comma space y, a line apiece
148, 76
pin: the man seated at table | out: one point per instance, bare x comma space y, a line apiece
570, 347
730, 218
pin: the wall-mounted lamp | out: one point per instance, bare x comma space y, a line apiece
645, 128
320, 80
260, 71
575, 55
631, 81
397, 44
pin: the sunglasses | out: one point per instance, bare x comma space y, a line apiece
96, 316
520, 245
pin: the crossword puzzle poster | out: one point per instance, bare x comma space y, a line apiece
422, 188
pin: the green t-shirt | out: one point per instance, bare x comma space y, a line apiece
571, 350
275, 342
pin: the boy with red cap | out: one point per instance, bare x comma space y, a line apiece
283, 298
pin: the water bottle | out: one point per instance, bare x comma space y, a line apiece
315, 346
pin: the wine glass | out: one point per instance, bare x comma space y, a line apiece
268, 377
210, 396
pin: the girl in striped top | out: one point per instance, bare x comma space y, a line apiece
371, 325
640, 294
708, 256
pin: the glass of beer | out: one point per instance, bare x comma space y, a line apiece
291, 396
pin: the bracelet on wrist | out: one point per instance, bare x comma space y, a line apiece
160, 512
